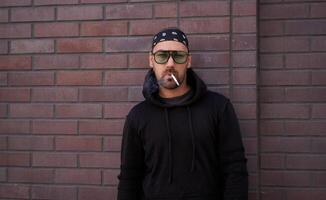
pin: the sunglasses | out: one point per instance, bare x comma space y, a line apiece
162, 57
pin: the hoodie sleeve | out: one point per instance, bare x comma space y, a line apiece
132, 163
232, 158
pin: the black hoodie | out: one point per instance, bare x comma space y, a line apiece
189, 151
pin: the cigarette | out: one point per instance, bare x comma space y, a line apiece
175, 80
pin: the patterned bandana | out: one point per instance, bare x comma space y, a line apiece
170, 34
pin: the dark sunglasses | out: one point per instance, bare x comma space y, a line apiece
162, 57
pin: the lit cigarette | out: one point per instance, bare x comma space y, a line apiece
175, 80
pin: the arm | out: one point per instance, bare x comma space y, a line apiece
233, 161
132, 164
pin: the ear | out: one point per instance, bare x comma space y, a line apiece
189, 62
150, 60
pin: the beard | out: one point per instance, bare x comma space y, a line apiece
166, 81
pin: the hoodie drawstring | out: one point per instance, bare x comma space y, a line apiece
166, 114
170, 144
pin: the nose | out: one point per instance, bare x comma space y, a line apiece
170, 62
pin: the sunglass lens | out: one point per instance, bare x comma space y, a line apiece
161, 57
180, 57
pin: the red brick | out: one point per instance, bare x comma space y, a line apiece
138, 60
165, 9
32, 46
306, 194
104, 28
244, 25
3, 146
208, 60
135, 94
272, 161
54, 2
3, 79
284, 44
15, 30
79, 45
269, 127
306, 94
112, 143
319, 179
56, 29
78, 111
244, 42
104, 61
284, 111
207, 25
305, 27
79, 12
244, 8
248, 128
98, 193
54, 192
101, 127
103, 94
128, 44
244, 59
110, 177
244, 76
150, 27
318, 145
3, 110
54, 127
312, 128
244, 94
78, 176
15, 62
284, 11
209, 42
250, 144
318, 43
30, 111
14, 159
79, 78
74, 143
285, 144
32, 14
14, 190
5, 3
3, 174
102, 160
54, 94
14, 94
30, 143
54, 159
214, 76
309, 61
271, 28
271, 61
282, 77
103, 1
56, 62
30, 78
312, 162
246, 110
128, 11
21, 175
14, 127
124, 77
289, 178
4, 15
204, 8
3, 47
252, 163
117, 110
272, 94
318, 10
318, 111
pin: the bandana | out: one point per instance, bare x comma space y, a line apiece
170, 34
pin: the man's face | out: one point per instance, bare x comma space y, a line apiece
164, 71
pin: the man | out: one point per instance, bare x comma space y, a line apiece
183, 141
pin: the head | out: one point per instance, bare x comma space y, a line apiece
170, 56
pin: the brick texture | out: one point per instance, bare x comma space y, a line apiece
292, 86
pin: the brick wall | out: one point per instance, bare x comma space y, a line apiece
72, 69
292, 94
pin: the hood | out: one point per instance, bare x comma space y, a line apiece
151, 88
